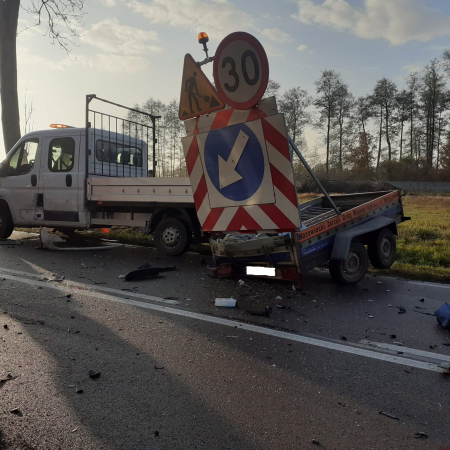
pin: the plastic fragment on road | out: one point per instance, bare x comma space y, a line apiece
421, 435
93, 374
391, 416
225, 302
139, 274
443, 316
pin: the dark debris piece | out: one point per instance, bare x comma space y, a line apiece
94, 375
156, 433
421, 435
391, 416
147, 272
263, 312
401, 310
8, 377
79, 391
343, 338
16, 412
6, 327
393, 336
159, 367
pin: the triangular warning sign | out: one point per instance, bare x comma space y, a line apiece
198, 95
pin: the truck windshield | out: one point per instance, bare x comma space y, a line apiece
118, 153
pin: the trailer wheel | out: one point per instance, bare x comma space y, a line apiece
353, 269
172, 236
6, 223
383, 249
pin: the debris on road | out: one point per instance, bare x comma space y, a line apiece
400, 344
421, 300
343, 338
147, 272
281, 306
263, 312
6, 327
159, 367
443, 316
94, 375
424, 313
79, 391
225, 302
315, 442
156, 433
242, 283
401, 310
421, 435
75, 429
393, 336
8, 377
391, 416
16, 411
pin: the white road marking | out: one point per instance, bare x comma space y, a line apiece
90, 291
410, 351
75, 285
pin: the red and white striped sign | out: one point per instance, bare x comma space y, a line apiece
275, 212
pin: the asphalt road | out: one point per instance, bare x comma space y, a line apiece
179, 373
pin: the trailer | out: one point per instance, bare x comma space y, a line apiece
265, 232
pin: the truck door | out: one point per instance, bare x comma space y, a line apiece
60, 169
20, 185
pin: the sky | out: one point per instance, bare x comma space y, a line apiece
130, 50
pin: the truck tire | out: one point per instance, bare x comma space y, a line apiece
6, 223
383, 249
355, 266
172, 236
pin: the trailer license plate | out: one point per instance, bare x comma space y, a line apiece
266, 271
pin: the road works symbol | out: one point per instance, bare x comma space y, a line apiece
227, 169
198, 95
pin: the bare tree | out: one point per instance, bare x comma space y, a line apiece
61, 19
28, 113
345, 104
384, 95
272, 89
413, 83
327, 88
294, 103
403, 108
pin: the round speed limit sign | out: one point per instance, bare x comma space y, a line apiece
241, 70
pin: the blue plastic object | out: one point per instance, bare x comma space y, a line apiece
443, 316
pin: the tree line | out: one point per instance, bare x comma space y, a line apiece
390, 133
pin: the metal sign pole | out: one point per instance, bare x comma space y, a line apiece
313, 175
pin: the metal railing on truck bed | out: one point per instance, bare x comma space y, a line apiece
119, 146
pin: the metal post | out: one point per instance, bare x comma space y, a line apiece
313, 175
86, 149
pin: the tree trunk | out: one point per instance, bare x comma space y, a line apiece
328, 142
387, 133
379, 141
438, 142
401, 141
340, 144
411, 134
9, 14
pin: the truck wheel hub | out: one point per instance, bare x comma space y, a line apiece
352, 264
386, 248
171, 237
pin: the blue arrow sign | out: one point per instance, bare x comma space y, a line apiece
234, 161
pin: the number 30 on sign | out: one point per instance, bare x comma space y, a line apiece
241, 70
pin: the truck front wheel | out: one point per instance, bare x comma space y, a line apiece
383, 249
353, 268
6, 223
172, 236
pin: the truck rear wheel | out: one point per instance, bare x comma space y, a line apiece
383, 249
172, 236
6, 223
353, 268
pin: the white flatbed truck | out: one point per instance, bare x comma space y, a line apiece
49, 180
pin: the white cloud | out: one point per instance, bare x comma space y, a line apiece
109, 36
276, 35
398, 21
217, 17
416, 67
108, 3
302, 48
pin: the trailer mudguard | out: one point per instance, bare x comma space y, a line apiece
343, 239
